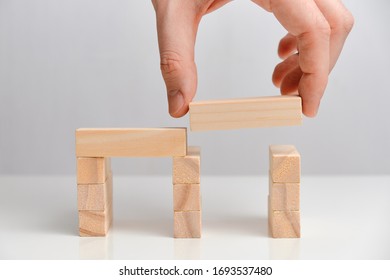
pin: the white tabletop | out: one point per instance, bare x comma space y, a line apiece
341, 218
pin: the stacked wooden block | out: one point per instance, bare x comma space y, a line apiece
94, 192
284, 191
186, 195
95, 147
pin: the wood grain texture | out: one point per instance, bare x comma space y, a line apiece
95, 197
285, 164
95, 223
131, 142
187, 224
93, 170
284, 196
186, 170
246, 113
186, 197
284, 224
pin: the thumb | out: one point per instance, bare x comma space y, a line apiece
177, 24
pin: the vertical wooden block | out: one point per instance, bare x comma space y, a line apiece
186, 197
187, 224
186, 170
284, 196
97, 222
285, 164
95, 196
94, 170
284, 224
92, 197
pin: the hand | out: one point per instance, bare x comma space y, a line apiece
177, 25
317, 28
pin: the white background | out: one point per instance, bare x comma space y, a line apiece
95, 63
342, 217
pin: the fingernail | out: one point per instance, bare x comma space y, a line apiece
175, 101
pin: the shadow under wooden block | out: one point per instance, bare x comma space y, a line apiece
285, 164
186, 197
237, 113
131, 142
93, 170
284, 196
284, 224
186, 170
187, 224
95, 197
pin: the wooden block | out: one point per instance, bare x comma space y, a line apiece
93, 170
95, 223
186, 170
285, 164
186, 197
264, 111
284, 196
131, 142
187, 224
95, 197
284, 224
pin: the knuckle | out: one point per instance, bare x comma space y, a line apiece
170, 62
348, 21
343, 23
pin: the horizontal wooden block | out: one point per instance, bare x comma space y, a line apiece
93, 170
285, 164
131, 142
187, 224
284, 224
284, 196
186, 197
95, 223
186, 170
95, 197
246, 113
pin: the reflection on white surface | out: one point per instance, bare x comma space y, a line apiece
95, 248
187, 249
284, 249
342, 218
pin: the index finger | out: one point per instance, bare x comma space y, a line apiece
303, 19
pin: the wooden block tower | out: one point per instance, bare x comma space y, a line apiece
186, 195
94, 193
95, 147
284, 189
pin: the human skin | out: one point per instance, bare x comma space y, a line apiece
317, 30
